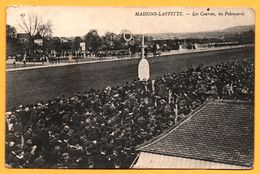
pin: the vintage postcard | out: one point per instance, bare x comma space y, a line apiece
129, 87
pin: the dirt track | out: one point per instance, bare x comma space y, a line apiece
31, 86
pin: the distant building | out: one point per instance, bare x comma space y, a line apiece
38, 39
217, 135
23, 38
64, 40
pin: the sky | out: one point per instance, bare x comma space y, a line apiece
77, 21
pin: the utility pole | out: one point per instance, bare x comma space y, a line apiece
142, 47
143, 67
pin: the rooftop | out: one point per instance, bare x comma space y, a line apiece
23, 35
219, 131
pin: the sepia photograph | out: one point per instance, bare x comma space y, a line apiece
129, 87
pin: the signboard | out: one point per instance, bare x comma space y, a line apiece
82, 46
143, 70
127, 35
38, 42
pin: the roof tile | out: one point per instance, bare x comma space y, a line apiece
220, 131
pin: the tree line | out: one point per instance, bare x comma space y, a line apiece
34, 28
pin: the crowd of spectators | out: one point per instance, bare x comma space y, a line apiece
100, 129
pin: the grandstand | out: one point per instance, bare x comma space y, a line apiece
103, 128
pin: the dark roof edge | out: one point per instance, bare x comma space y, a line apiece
139, 147
209, 160
231, 101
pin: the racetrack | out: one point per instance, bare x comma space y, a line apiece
33, 85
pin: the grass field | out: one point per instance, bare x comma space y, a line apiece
33, 85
